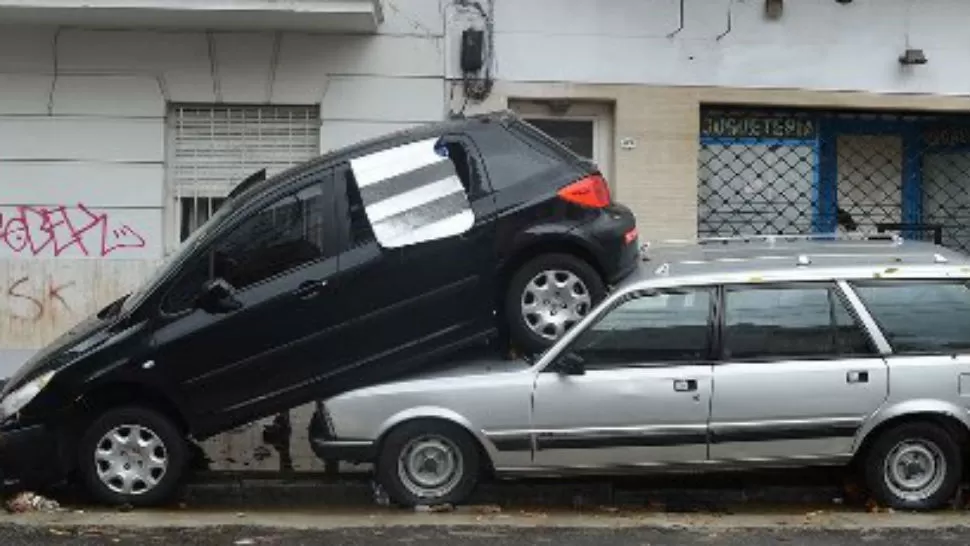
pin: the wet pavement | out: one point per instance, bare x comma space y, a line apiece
13, 535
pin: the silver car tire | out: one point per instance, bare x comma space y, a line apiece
428, 462
547, 296
132, 455
914, 466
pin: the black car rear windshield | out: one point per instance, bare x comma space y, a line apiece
540, 140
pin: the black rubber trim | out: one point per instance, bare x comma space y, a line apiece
770, 433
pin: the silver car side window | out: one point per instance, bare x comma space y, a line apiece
920, 316
650, 330
778, 322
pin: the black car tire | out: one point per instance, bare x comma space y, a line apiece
919, 439
153, 424
457, 450
523, 337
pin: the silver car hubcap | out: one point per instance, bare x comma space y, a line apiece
553, 301
915, 470
430, 466
131, 459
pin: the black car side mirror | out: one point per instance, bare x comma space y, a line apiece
218, 296
571, 364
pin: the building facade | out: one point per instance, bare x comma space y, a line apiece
122, 126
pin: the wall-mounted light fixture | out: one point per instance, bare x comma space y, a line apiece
774, 8
912, 57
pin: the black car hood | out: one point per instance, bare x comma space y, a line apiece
82, 338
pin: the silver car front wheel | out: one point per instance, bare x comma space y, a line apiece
430, 466
429, 462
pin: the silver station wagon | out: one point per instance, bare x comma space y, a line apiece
717, 354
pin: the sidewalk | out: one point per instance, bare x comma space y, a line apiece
485, 517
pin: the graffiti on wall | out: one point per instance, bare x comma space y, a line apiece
33, 231
27, 302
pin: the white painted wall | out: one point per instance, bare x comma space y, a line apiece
817, 44
83, 139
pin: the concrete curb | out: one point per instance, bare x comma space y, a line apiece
318, 492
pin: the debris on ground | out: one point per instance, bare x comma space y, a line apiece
434, 508
874, 508
380, 496
28, 501
486, 509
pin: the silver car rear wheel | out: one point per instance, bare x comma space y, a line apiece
915, 465
915, 469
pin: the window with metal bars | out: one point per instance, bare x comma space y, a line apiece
213, 148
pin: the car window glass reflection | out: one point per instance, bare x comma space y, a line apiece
652, 329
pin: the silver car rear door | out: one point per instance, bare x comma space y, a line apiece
799, 374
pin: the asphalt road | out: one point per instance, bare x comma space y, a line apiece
14, 535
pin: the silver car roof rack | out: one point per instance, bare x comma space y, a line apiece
801, 257
773, 238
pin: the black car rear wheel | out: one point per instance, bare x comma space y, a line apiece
549, 295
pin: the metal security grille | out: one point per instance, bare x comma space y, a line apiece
755, 188
869, 171
789, 171
213, 148
944, 198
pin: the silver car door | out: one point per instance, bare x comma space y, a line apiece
799, 376
644, 395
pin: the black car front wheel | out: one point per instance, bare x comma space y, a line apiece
549, 295
132, 456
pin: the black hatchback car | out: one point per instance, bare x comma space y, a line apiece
336, 274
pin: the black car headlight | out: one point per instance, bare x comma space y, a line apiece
15, 400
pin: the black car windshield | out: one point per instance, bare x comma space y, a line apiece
175, 258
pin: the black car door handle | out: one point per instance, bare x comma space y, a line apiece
856, 376
310, 289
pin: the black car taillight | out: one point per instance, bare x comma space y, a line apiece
590, 191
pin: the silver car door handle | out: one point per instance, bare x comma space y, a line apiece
857, 376
685, 385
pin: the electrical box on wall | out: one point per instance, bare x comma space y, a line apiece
472, 50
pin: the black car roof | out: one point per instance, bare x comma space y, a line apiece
411, 134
